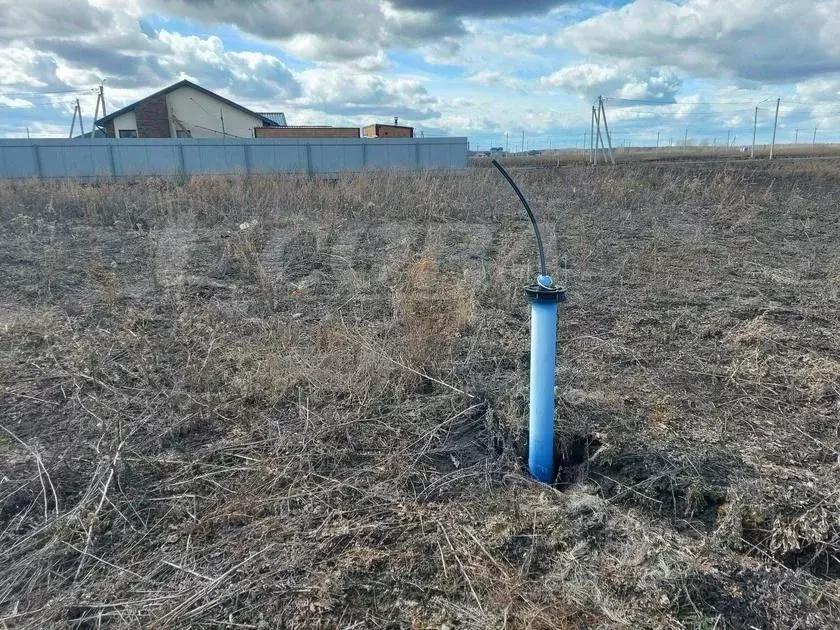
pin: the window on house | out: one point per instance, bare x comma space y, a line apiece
128, 133
183, 133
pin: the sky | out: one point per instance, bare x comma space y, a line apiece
508, 73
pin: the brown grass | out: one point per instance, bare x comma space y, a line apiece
288, 403
669, 154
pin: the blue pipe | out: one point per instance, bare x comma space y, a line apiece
544, 297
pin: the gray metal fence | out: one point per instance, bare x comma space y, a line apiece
109, 158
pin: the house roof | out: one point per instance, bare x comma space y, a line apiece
268, 122
96, 133
278, 117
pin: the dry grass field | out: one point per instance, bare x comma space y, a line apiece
670, 154
280, 403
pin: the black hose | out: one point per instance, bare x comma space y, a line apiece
530, 215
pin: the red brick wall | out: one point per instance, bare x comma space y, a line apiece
306, 132
152, 118
388, 131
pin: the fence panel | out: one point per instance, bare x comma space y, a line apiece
20, 161
95, 159
145, 159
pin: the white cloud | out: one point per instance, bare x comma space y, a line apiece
589, 80
496, 79
821, 89
773, 41
347, 93
250, 75
24, 67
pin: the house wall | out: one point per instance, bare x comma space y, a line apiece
152, 119
306, 132
126, 121
201, 115
388, 131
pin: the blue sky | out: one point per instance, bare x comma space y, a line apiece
494, 70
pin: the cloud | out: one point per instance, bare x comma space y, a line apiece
589, 80
22, 67
326, 30
320, 30
43, 18
248, 75
771, 41
491, 78
355, 94
483, 9
146, 64
99, 57
820, 89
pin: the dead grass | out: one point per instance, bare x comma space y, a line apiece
288, 403
669, 154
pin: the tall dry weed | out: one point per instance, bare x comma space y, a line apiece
433, 307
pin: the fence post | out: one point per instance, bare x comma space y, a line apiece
309, 160
364, 154
111, 163
417, 160
39, 171
247, 157
182, 162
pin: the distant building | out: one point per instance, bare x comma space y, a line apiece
186, 110
306, 132
387, 131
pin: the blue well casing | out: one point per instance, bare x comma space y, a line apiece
544, 297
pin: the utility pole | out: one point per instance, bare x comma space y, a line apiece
100, 99
657, 140
815, 136
598, 140
755, 123
685, 141
728, 131
507, 143
775, 122
77, 111
606, 129
592, 138
523, 141
796, 137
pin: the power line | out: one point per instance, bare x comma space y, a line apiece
47, 92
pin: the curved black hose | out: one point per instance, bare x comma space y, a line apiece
530, 215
